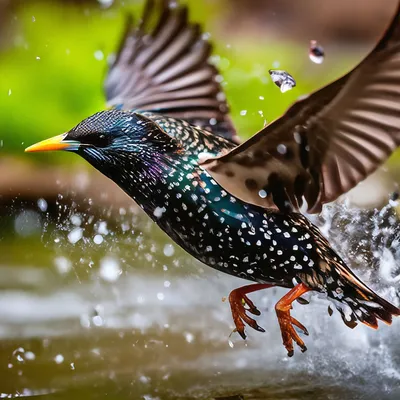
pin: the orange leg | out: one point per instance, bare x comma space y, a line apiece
287, 322
238, 300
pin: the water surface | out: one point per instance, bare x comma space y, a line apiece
133, 317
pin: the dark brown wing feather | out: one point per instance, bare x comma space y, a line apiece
325, 144
162, 66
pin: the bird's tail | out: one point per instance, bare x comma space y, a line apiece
353, 299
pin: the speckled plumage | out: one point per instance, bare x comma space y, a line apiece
169, 133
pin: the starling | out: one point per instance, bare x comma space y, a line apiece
168, 142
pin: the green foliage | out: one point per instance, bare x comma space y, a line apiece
52, 71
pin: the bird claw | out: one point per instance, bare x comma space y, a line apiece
240, 305
250, 305
289, 334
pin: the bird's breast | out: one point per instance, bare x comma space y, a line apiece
227, 234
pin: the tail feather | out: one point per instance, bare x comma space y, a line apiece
356, 301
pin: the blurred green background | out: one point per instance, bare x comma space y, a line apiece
54, 63
53, 58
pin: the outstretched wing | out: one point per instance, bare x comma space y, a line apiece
325, 144
162, 66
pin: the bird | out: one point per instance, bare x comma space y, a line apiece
167, 140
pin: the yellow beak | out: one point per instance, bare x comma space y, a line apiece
54, 143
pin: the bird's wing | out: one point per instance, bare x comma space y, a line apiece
325, 144
162, 66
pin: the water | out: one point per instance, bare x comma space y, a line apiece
316, 52
282, 79
127, 319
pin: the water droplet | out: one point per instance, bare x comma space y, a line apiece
243, 112
167, 284
37, 58
281, 148
75, 235
282, 79
9, 92
33, 19
84, 321
230, 343
99, 55
96, 351
125, 227
169, 250
316, 52
42, 204
59, 358
75, 219
97, 320
30, 356
72, 365
98, 239
63, 265
110, 269
18, 354
105, 3
27, 223
102, 228
160, 296
261, 97
189, 337
263, 194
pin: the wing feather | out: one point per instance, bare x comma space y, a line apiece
166, 69
329, 141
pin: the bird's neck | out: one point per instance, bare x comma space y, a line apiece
152, 181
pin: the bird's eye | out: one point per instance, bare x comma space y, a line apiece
97, 140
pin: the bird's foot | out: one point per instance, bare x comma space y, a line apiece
241, 304
287, 322
289, 334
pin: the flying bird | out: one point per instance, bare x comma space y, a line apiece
167, 140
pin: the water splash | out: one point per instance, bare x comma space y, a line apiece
174, 313
282, 79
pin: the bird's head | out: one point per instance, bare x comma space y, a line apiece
115, 141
